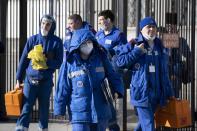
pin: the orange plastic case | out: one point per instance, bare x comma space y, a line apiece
175, 114
13, 102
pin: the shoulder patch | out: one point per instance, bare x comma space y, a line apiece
99, 69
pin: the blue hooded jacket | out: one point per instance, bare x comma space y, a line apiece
53, 50
111, 40
69, 34
80, 86
146, 85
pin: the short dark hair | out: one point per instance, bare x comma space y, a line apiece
75, 17
107, 14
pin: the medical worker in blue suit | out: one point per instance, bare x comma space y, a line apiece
42, 55
74, 23
109, 36
80, 88
150, 85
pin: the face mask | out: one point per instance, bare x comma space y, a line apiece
44, 32
86, 48
148, 37
102, 27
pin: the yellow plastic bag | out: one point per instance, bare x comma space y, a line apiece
38, 58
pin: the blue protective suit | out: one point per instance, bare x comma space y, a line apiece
150, 84
38, 83
111, 40
80, 86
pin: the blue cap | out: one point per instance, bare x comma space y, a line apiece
147, 21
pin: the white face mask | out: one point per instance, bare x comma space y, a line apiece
148, 37
44, 32
86, 48
102, 27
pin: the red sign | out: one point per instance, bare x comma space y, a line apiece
170, 40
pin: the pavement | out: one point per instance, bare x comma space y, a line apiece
55, 126
33, 126
64, 125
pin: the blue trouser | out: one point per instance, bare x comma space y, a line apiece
100, 126
146, 119
146, 116
32, 91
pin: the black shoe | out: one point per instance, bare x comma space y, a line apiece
114, 127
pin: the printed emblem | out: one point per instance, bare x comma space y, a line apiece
100, 69
79, 84
149, 52
137, 65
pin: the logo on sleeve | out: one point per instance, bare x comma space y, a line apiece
137, 66
79, 84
